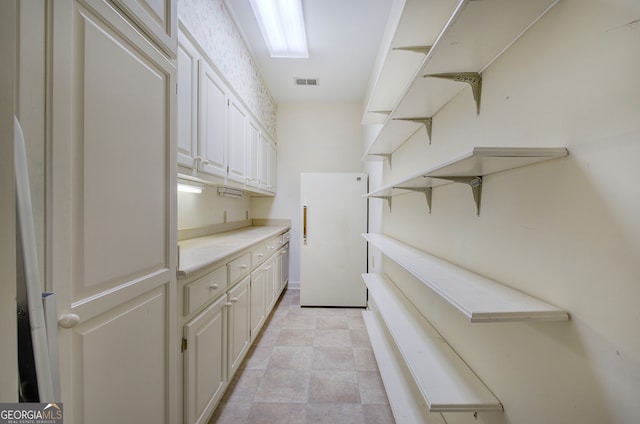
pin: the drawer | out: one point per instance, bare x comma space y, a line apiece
239, 267
204, 289
258, 255
273, 244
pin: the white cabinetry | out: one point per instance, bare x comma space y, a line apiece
212, 122
205, 362
158, 18
258, 296
239, 324
219, 139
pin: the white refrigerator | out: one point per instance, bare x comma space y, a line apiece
333, 253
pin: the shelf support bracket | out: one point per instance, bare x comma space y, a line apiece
476, 187
387, 198
474, 79
428, 191
414, 49
386, 156
382, 112
427, 122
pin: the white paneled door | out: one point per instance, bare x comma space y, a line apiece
112, 217
332, 251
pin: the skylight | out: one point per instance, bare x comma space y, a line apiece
282, 26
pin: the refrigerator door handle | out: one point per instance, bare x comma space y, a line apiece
304, 223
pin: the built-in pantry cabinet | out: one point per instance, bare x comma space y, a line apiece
229, 283
420, 71
219, 140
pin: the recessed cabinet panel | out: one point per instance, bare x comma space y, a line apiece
237, 141
239, 325
212, 122
123, 145
158, 18
187, 103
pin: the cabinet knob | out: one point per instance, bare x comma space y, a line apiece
228, 304
233, 299
68, 320
243, 266
214, 286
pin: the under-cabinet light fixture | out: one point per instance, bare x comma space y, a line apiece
282, 25
190, 187
230, 192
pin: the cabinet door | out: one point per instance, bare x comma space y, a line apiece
237, 141
270, 293
112, 220
259, 290
271, 166
205, 362
158, 18
212, 122
254, 158
239, 325
187, 102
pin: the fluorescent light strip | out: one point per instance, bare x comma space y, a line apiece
282, 25
190, 187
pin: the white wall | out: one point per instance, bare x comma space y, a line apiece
565, 231
311, 138
201, 210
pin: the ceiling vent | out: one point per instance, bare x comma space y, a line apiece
307, 81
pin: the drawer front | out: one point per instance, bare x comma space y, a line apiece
258, 255
273, 244
204, 289
239, 267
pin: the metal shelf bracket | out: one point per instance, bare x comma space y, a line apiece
427, 122
476, 187
387, 198
428, 191
414, 49
474, 79
386, 156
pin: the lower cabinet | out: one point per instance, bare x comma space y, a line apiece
259, 291
239, 313
205, 362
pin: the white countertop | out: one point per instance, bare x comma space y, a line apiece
196, 254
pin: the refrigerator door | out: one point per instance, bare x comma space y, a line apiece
332, 251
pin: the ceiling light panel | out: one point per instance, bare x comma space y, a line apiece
282, 25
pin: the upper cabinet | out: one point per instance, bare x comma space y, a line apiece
467, 42
219, 139
158, 18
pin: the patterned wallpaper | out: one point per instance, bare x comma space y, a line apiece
209, 22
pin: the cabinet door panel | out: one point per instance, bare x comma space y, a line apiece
237, 141
205, 362
212, 122
187, 102
259, 290
158, 18
239, 325
254, 155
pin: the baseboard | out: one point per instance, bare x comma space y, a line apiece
294, 285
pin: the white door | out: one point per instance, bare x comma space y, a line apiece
239, 313
237, 141
113, 218
332, 251
187, 102
212, 122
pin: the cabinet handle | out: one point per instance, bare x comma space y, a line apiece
228, 304
233, 299
198, 159
304, 223
260, 255
68, 320
214, 286
243, 266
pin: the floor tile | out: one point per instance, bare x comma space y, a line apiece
331, 322
284, 386
336, 338
352, 413
364, 359
333, 358
371, 388
359, 338
295, 337
258, 357
291, 357
244, 385
278, 413
334, 387
232, 413
378, 414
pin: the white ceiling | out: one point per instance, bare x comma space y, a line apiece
343, 38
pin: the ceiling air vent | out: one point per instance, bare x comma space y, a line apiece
306, 81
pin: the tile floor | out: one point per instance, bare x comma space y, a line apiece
310, 365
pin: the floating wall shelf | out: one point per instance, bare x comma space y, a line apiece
475, 34
478, 298
469, 168
442, 378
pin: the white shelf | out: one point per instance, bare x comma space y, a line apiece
407, 405
478, 298
469, 168
445, 382
475, 35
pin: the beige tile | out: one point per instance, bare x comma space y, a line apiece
350, 413
278, 413
364, 359
284, 386
331, 322
355, 322
268, 337
378, 414
244, 385
295, 337
371, 388
231, 413
292, 357
333, 358
300, 320
333, 387
258, 357
360, 338
331, 311
336, 338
